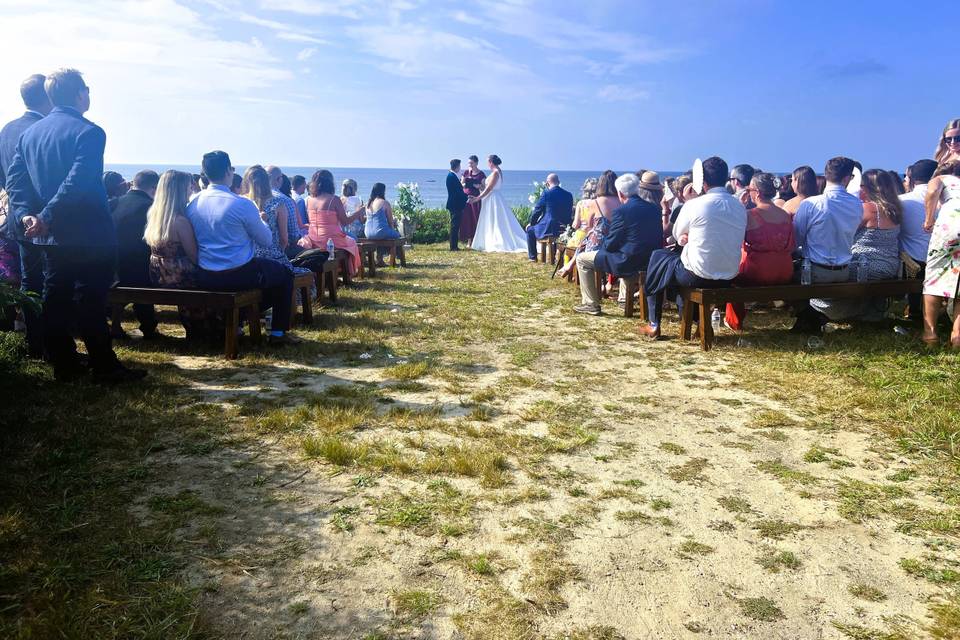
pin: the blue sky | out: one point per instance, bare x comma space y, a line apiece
546, 85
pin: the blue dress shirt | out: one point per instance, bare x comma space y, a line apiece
301, 203
228, 228
914, 241
825, 226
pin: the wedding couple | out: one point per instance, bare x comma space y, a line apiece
497, 227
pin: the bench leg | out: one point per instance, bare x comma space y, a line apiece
402, 254
706, 329
628, 303
644, 309
230, 333
116, 320
253, 322
319, 283
345, 267
372, 263
551, 252
393, 256
293, 308
686, 320
307, 301
332, 284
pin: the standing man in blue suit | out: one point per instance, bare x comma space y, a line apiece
552, 212
456, 202
31, 256
57, 194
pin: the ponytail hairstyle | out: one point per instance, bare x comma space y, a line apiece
170, 201
881, 190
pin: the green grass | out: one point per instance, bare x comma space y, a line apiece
761, 609
775, 561
866, 592
415, 603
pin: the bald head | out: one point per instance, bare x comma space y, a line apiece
275, 174
553, 179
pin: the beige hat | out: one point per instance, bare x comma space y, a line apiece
650, 180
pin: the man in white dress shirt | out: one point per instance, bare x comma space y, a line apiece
710, 228
914, 241
825, 226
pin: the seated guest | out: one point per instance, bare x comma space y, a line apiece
274, 212
116, 186
584, 213
351, 204
684, 192
380, 224
635, 232
785, 190
804, 184
740, 177
710, 228
875, 245
914, 239
552, 212
299, 185
767, 246
133, 254
825, 226
327, 219
237, 185
291, 248
898, 181
173, 249
285, 187
196, 187
229, 229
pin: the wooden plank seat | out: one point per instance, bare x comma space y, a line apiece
303, 283
546, 249
634, 284
327, 278
707, 299
231, 302
368, 254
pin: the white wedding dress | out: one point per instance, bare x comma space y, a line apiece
497, 227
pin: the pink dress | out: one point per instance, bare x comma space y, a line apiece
326, 215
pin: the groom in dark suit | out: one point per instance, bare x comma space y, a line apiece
551, 212
456, 201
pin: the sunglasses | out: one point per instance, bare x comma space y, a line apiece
951, 139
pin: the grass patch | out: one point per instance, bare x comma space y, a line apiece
690, 471
861, 501
735, 504
694, 548
775, 561
761, 609
672, 447
549, 572
866, 592
775, 529
415, 603
407, 371
929, 571
786, 475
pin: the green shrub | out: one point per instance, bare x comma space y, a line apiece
433, 225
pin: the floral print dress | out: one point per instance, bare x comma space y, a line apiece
943, 256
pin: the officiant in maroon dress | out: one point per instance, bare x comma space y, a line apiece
472, 181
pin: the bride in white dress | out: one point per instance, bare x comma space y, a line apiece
497, 227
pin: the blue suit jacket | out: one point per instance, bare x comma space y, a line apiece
552, 211
58, 173
9, 137
636, 230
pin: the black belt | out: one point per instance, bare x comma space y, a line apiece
829, 267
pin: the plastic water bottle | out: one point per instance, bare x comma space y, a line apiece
331, 249
862, 269
715, 319
806, 272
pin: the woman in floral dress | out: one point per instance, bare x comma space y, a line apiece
943, 257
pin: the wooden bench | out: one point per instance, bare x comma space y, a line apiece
327, 278
546, 249
634, 285
303, 283
706, 299
368, 254
231, 302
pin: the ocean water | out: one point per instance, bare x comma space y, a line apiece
516, 184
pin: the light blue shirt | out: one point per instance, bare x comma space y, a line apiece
228, 228
301, 204
826, 224
913, 239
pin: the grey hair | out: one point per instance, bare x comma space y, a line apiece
63, 86
628, 184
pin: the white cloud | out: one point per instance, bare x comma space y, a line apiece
306, 54
299, 37
621, 93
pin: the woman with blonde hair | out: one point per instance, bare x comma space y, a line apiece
942, 282
173, 248
949, 146
273, 211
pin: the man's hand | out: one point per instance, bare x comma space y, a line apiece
682, 240
263, 216
34, 227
